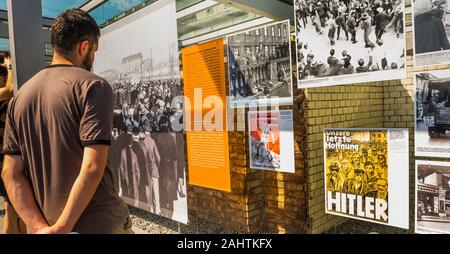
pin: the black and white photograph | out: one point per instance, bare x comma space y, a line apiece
147, 155
259, 66
432, 197
432, 113
349, 41
431, 21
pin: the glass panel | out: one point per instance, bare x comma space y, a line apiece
4, 44
182, 4
211, 19
112, 8
52, 8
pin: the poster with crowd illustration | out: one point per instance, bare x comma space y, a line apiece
349, 41
259, 66
147, 153
367, 172
271, 140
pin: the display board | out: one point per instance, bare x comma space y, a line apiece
271, 140
207, 135
259, 67
367, 175
432, 113
430, 32
344, 44
140, 61
432, 197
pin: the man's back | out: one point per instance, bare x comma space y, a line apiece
52, 118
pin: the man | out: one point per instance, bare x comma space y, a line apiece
12, 223
356, 185
351, 26
333, 178
57, 138
168, 183
366, 26
382, 19
364, 68
153, 160
430, 31
340, 21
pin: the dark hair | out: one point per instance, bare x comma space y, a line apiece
71, 27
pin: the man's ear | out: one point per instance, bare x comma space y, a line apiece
83, 48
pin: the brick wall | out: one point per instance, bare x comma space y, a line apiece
349, 106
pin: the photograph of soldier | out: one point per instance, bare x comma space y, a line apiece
259, 63
369, 34
432, 101
431, 31
147, 152
362, 172
432, 197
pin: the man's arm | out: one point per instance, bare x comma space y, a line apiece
21, 194
92, 170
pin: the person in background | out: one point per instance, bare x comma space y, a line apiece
12, 223
57, 138
430, 33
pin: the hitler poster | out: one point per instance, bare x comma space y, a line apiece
344, 42
271, 140
138, 56
367, 175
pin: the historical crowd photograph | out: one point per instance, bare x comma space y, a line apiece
432, 103
431, 32
349, 41
147, 154
432, 197
259, 64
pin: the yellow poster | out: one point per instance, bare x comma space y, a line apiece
205, 104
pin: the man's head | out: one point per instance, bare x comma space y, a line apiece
361, 62
359, 174
75, 37
332, 52
135, 133
334, 168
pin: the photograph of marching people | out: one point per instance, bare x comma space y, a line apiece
432, 104
431, 32
147, 152
349, 41
366, 175
271, 140
259, 64
432, 197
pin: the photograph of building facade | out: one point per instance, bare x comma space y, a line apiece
433, 197
260, 66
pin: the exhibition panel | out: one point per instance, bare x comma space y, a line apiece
148, 150
207, 121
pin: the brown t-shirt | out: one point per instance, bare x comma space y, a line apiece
52, 118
